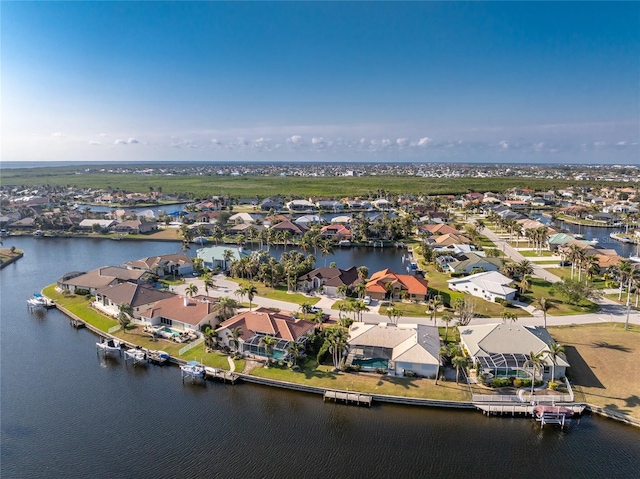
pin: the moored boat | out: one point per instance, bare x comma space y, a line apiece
541, 410
109, 346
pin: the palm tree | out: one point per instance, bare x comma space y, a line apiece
191, 290
525, 267
295, 350
209, 282
241, 291
543, 305
360, 289
268, 343
342, 290
525, 284
225, 307
125, 311
234, 340
433, 305
446, 318
251, 291
226, 256
210, 336
394, 314
555, 350
535, 363
458, 362
337, 345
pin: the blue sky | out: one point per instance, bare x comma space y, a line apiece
329, 81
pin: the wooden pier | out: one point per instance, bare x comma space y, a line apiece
220, 374
348, 398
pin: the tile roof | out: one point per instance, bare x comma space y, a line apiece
268, 321
377, 282
133, 294
193, 311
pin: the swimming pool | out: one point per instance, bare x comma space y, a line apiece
372, 363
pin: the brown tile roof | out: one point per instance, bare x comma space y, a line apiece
268, 321
196, 309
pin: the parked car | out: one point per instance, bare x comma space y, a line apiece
367, 300
564, 263
315, 310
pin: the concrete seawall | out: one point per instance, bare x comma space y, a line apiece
11, 260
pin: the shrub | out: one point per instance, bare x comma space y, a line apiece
81, 292
553, 385
500, 382
356, 367
381, 371
409, 374
517, 383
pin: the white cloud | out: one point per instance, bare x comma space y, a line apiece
317, 140
622, 143
103, 135
132, 141
504, 145
58, 134
215, 141
599, 143
120, 142
94, 143
539, 146
295, 139
386, 142
402, 141
424, 141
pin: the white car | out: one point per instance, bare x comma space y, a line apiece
367, 300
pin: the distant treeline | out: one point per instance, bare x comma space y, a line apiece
203, 186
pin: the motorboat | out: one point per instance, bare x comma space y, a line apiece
193, 369
39, 301
344, 243
136, 354
109, 346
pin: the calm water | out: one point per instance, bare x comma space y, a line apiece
67, 413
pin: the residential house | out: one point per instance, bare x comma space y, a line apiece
400, 350
275, 203
294, 229
176, 264
468, 262
99, 278
489, 285
336, 231
439, 229
329, 205
243, 219
386, 283
300, 205
215, 257
255, 325
308, 220
503, 349
330, 279
139, 296
181, 313
135, 227
448, 239
88, 224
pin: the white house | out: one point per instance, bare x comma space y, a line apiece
489, 285
398, 349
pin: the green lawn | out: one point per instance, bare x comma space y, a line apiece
564, 272
486, 242
280, 293
323, 376
534, 254
614, 297
540, 288
79, 306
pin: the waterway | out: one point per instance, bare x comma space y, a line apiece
65, 412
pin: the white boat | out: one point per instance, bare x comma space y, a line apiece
136, 354
200, 240
344, 243
193, 369
39, 301
38, 233
109, 346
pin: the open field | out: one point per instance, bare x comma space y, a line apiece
323, 376
280, 293
540, 287
604, 364
247, 186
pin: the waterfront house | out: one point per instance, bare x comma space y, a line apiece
181, 313
243, 219
139, 296
402, 350
214, 257
448, 239
308, 220
458, 249
294, 229
342, 219
386, 283
135, 227
99, 278
103, 224
164, 265
259, 323
468, 262
439, 229
330, 279
503, 349
489, 285
300, 205
336, 231
275, 203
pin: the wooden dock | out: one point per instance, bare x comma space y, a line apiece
348, 398
220, 374
526, 409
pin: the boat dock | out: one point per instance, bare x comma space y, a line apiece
501, 408
552, 418
348, 398
220, 374
159, 358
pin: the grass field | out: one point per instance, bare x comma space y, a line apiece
6, 254
604, 364
531, 253
323, 376
247, 186
540, 288
280, 293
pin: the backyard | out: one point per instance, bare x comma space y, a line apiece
604, 364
